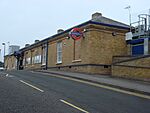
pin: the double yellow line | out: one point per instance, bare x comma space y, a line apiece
102, 86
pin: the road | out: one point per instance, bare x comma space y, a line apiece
33, 92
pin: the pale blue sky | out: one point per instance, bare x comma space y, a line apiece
23, 21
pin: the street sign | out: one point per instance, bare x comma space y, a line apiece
76, 33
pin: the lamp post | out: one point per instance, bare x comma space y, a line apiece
129, 9
0, 55
4, 48
8, 43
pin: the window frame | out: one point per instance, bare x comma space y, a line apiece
59, 52
44, 54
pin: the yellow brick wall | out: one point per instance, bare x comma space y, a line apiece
10, 62
30, 54
86, 69
121, 58
104, 46
100, 47
129, 49
136, 69
131, 72
97, 47
52, 54
68, 51
143, 62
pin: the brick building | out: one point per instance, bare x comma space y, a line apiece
102, 39
10, 62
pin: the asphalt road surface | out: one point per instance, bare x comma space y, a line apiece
33, 92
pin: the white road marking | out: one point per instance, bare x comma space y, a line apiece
6, 75
11, 76
31, 86
80, 109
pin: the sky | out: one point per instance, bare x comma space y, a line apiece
23, 21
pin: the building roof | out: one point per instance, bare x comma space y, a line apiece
97, 20
105, 20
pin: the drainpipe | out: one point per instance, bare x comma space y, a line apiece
18, 63
46, 55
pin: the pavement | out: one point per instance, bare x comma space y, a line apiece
121, 83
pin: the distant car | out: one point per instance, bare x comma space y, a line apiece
1, 68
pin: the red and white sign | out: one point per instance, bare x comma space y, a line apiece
76, 33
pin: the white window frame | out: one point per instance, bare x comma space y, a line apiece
44, 52
33, 59
28, 61
59, 52
24, 61
37, 59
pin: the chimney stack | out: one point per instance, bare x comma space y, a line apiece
60, 30
26, 45
96, 15
36, 41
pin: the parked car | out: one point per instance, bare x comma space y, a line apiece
1, 68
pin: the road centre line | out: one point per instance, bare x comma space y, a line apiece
78, 108
102, 86
31, 86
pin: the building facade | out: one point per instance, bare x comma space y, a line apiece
10, 62
102, 38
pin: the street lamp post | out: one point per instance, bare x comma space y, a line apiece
129, 9
4, 47
0, 55
4, 51
8, 43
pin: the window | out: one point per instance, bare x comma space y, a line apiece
24, 61
59, 52
28, 60
37, 59
44, 51
15, 63
33, 58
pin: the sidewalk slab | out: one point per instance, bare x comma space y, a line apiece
121, 83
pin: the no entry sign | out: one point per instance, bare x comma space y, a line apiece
76, 33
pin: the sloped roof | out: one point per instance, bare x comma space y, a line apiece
100, 20
105, 20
